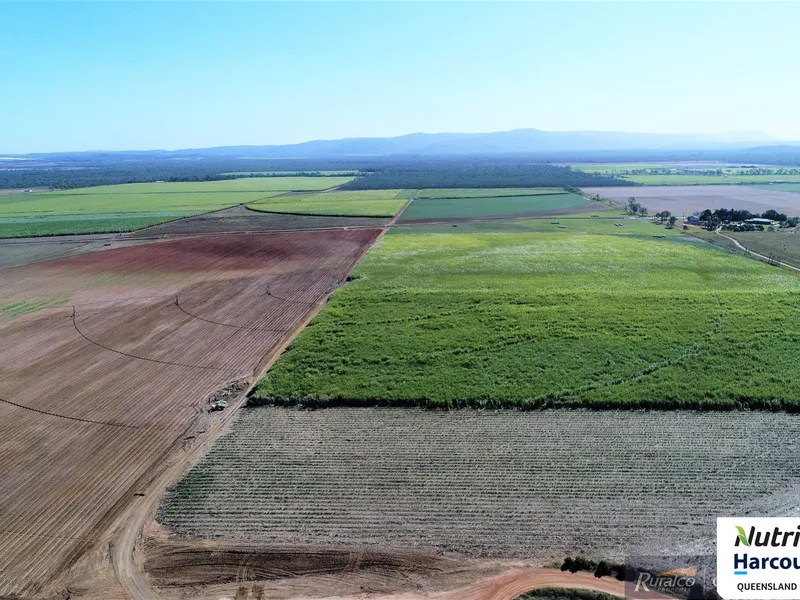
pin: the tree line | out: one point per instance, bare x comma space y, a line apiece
714, 219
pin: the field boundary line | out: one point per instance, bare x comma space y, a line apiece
299, 214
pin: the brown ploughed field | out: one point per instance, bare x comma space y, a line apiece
687, 199
104, 383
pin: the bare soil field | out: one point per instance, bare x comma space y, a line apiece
240, 219
97, 391
687, 199
481, 484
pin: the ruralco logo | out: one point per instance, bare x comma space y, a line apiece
679, 576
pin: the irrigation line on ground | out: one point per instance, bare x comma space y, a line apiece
155, 360
50, 414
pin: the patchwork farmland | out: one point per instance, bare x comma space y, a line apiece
475, 299
128, 207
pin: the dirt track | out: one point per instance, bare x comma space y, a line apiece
99, 397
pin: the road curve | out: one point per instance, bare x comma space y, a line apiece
756, 254
510, 585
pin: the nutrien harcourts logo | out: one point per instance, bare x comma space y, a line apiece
758, 558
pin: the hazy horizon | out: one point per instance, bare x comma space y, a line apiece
130, 76
758, 137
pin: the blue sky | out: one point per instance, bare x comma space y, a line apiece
176, 75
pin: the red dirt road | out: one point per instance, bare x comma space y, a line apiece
510, 585
93, 401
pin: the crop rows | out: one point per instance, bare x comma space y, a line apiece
92, 399
574, 317
498, 484
475, 207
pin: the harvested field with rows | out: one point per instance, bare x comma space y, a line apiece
688, 199
529, 485
99, 388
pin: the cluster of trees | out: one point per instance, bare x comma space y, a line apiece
634, 208
713, 219
600, 569
666, 216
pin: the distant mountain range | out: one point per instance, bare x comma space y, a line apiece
519, 141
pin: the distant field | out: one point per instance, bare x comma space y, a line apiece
487, 192
678, 179
488, 206
67, 203
372, 203
80, 224
603, 319
289, 173
685, 200
531, 485
782, 187
149, 197
610, 168
245, 184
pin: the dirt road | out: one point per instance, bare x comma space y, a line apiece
756, 254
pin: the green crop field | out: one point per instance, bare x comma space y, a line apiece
486, 192
149, 197
581, 316
498, 206
245, 184
67, 203
11, 227
371, 203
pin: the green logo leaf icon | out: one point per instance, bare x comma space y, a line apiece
742, 536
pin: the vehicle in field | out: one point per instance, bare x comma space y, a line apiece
218, 405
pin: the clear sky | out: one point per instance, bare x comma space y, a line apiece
176, 75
